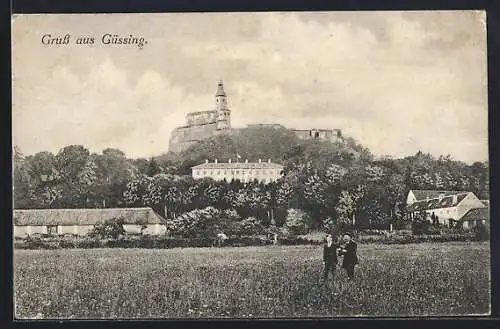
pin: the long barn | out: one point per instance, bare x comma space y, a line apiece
81, 221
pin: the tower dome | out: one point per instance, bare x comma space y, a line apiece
220, 89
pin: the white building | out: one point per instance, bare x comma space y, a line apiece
447, 206
265, 172
81, 221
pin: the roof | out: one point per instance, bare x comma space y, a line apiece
220, 89
435, 203
477, 214
239, 165
486, 202
431, 194
35, 217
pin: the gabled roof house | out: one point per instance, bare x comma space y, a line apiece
447, 207
81, 221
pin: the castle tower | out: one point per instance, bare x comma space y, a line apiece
223, 112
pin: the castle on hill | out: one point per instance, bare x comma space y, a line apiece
204, 124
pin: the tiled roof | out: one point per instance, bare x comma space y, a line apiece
431, 194
445, 202
144, 215
239, 165
477, 214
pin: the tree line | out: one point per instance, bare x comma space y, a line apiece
333, 183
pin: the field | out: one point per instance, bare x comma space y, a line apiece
262, 282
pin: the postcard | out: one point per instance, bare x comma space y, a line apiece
250, 165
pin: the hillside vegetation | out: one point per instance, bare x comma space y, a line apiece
332, 184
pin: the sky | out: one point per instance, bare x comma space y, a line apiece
398, 82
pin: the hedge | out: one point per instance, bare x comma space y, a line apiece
164, 242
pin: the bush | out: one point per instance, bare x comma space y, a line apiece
250, 226
297, 222
207, 222
420, 226
111, 229
481, 232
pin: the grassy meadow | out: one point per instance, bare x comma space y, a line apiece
250, 282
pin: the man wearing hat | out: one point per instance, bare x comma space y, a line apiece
330, 260
349, 251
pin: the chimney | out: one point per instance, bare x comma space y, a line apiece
215, 160
206, 161
246, 160
260, 160
455, 198
268, 160
229, 161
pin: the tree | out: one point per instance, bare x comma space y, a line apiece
348, 206
251, 226
315, 197
207, 222
331, 226
297, 221
114, 172
143, 191
285, 194
335, 174
71, 160
153, 168
375, 174
21, 180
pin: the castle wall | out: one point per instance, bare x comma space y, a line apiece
266, 125
321, 134
201, 118
183, 137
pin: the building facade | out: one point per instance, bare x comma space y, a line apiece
265, 172
447, 207
475, 217
81, 221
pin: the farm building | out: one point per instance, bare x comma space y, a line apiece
421, 195
447, 207
476, 216
81, 221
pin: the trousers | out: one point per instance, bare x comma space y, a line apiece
350, 270
329, 268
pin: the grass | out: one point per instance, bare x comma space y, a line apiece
262, 282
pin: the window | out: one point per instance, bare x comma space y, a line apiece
204, 172
52, 229
218, 172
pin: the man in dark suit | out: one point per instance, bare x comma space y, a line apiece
349, 251
330, 260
